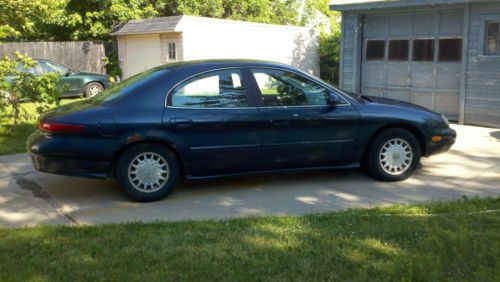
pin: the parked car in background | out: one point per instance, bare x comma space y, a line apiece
78, 83
217, 118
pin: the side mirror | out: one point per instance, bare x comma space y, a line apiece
333, 99
68, 73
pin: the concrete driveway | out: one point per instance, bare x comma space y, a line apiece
27, 197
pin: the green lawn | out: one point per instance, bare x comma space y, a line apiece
13, 136
383, 244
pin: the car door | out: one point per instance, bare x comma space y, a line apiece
69, 82
218, 131
300, 128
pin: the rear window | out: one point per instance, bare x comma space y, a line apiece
124, 87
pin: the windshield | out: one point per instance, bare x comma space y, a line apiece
118, 90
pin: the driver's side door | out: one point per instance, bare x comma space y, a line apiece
300, 129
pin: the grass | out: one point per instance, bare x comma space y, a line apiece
383, 244
13, 136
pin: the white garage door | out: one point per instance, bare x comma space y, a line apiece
414, 57
143, 53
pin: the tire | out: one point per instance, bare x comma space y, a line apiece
388, 154
142, 164
91, 89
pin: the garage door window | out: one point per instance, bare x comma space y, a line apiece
375, 50
219, 89
423, 50
450, 50
398, 50
492, 37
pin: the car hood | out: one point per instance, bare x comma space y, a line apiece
387, 101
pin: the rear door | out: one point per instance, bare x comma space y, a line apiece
214, 124
299, 128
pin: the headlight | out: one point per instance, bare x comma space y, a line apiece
445, 120
111, 79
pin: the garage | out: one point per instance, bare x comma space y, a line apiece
414, 57
142, 52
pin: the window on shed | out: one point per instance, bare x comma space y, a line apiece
375, 50
423, 50
171, 51
492, 45
450, 50
398, 50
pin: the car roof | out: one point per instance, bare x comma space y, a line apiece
222, 63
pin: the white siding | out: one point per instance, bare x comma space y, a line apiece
221, 39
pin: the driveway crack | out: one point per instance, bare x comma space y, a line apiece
38, 192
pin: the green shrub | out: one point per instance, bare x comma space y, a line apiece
329, 54
17, 85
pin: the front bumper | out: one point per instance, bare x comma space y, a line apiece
448, 138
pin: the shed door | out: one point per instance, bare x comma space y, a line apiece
143, 52
414, 57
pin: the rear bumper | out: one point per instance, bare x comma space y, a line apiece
70, 167
448, 136
58, 156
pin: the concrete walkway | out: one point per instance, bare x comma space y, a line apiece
29, 198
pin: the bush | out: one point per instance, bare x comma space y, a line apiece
329, 54
17, 84
112, 63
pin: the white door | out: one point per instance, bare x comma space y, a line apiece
143, 53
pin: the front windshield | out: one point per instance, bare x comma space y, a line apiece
119, 89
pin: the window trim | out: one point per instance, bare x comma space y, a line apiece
389, 39
486, 38
437, 50
386, 50
483, 33
434, 55
168, 97
259, 98
174, 51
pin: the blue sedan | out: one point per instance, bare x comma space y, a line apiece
206, 119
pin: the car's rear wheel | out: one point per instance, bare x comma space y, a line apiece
148, 172
92, 89
393, 155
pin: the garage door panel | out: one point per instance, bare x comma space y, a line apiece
446, 103
375, 26
397, 74
399, 25
373, 74
422, 98
401, 95
372, 91
424, 24
451, 23
143, 53
422, 76
448, 76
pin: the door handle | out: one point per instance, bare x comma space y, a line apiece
181, 122
281, 121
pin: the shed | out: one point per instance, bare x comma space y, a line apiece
143, 44
441, 54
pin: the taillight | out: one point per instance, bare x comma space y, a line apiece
61, 127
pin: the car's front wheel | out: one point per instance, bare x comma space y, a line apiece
147, 172
393, 155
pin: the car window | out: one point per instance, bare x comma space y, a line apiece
282, 88
34, 70
218, 89
47, 66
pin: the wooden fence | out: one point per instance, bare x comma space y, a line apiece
77, 55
